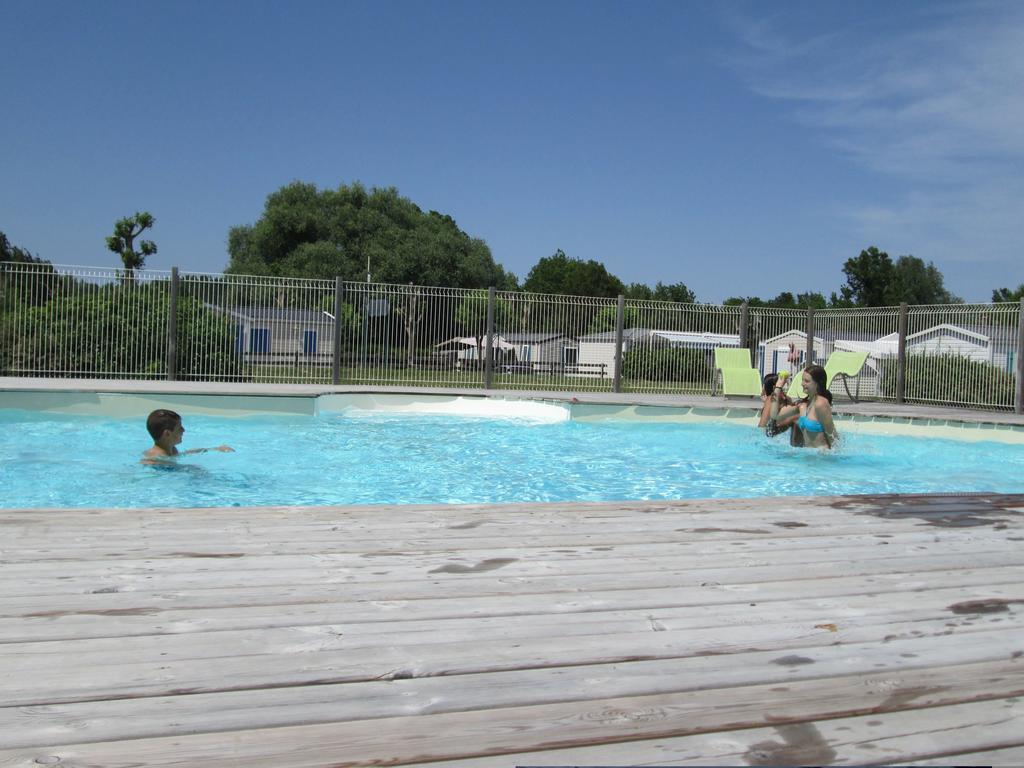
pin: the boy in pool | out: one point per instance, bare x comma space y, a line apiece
166, 430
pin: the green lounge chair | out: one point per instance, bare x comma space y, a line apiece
845, 365
840, 365
738, 377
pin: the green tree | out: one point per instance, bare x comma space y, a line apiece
604, 320
914, 282
868, 278
12, 253
785, 300
873, 279
35, 285
1005, 294
639, 292
122, 242
560, 274
351, 232
112, 332
676, 292
811, 300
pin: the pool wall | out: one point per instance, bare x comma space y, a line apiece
138, 405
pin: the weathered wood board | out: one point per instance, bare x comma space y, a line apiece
733, 632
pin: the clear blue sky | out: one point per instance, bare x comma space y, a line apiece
743, 148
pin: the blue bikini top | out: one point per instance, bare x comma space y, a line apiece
810, 425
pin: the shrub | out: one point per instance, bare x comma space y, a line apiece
665, 364
116, 330
948, 378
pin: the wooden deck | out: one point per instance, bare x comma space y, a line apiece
756, 632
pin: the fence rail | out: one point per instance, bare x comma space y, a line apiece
67, 321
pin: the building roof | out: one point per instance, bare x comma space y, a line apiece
673, 337
532, 338
274, 315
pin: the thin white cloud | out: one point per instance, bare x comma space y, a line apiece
929, 97
899, 100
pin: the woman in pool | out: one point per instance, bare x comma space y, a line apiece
814, 427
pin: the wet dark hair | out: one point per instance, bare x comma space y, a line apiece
768, 383
160, 421
818, 375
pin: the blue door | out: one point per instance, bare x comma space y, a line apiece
259, 340
309, 343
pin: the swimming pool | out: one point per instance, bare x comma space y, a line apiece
478, 453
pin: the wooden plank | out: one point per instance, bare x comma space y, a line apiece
227, 694
837, 615
68, 534
496, 576
512, 730
68, 576
212, 541
329, 660
360, 532
1003, 582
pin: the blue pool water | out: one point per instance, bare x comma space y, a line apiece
59, 460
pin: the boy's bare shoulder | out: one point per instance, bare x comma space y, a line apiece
155, 455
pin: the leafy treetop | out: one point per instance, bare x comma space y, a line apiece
9, 252
874, 280
122, 242
1005, 294
313, 233
561, 274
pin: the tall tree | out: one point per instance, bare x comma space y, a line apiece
351, 232
561, 274
874, 280
867, 278
915, 282
677, 292
38, 290
122, 242
10, 252
1005, 294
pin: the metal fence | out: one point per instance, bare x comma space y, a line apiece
62, 321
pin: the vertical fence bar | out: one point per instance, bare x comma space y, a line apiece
339, 296
620, 322
901, 356
1018, 399
809, 356
745, 326
489, 362
172, 328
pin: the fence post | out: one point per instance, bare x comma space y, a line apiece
745, 326
901, 356
339, 292
620, 322
489, 361
1018, 398
172, 328
809, 351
